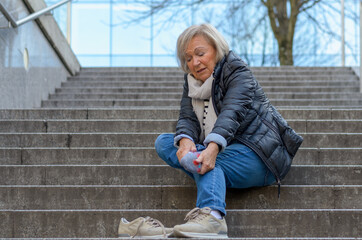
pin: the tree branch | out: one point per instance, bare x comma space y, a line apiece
314, 2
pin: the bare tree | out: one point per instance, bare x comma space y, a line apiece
282, 17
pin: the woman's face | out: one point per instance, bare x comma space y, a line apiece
200, 58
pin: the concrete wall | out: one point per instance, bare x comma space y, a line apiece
50, 59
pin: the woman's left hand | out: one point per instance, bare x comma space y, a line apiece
208, 157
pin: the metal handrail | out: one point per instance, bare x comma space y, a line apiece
15, 24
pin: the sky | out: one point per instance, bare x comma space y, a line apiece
100, 37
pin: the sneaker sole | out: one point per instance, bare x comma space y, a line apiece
199, 235
143, 237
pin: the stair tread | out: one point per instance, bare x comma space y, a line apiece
242, 223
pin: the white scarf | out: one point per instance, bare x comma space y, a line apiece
199, 91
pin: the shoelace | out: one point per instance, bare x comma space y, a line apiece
197, 214
154, 223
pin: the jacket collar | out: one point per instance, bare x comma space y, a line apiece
227, 59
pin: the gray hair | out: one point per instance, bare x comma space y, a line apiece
211, 35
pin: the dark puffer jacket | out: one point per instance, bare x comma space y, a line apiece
245, 115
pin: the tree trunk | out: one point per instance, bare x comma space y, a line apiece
283, 26
285, 52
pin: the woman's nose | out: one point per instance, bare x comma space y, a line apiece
196, 61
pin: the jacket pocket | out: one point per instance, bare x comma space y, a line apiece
281, 161
289, 142
290, 139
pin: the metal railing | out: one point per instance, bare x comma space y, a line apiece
13, 23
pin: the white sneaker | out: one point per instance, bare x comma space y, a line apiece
201, 224
142, 228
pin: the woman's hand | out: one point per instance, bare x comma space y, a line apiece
208, 157
185, 146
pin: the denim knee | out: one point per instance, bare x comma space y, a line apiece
166, 150
162, 141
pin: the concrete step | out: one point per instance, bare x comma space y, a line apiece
177, 95
166, 113
328, 156
155, 90
156, 82
89, 113
178, 72
79, 156
255, 70
304, 72
176, 102
320, 113
332, 140
178, 81
134, 69
179, 78
103, 223
149, 125
150, 175
167, 77
148, 156
111, 103
84, 126
119, 84
146, 139
40, 197
272, 68
165, 95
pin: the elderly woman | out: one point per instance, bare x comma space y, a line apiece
244, 142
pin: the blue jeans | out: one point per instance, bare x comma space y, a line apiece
236, 167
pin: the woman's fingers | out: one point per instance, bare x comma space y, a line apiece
207, 162
193, 148
208, 158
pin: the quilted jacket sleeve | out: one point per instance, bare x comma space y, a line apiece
239, 89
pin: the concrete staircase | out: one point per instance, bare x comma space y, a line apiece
73, 168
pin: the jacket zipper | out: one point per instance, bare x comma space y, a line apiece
272, 127
213, 97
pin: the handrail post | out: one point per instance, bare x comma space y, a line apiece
360, 46
69, 21
342, 33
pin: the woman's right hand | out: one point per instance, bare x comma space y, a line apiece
185, 146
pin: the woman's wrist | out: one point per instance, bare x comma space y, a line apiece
214, 146
184, 140
217, 139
